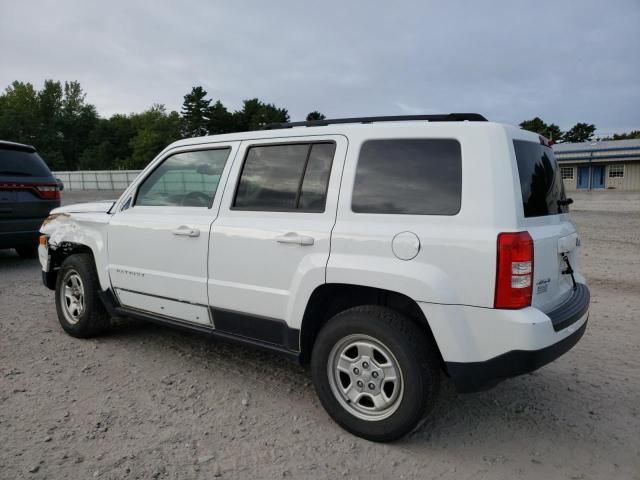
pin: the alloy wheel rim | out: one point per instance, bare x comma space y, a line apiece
72, 297
365, 377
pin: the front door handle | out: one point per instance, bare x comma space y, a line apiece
293, 237
186, 231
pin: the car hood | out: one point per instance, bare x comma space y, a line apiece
93, 207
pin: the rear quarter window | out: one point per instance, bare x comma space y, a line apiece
408, 176
540, 180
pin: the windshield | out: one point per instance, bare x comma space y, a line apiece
540, 182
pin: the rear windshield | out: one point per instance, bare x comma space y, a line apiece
18, 163
540, 180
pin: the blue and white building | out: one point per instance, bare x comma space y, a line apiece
611, 164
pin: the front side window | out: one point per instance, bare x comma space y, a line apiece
291, 177
616, 171
187, 179
412, 176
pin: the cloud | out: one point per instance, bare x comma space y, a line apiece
563, 61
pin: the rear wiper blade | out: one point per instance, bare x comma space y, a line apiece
15, 173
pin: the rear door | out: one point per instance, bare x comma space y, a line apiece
545, 216
158, 242
270, 243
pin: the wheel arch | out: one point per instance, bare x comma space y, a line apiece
330, 299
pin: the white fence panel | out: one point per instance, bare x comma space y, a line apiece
97, 179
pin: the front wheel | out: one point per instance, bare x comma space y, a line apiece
376, 372
80, 310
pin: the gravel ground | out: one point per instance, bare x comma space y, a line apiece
151, 402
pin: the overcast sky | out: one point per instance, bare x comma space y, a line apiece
565, 61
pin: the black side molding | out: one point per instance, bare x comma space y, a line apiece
264, 329
258, 332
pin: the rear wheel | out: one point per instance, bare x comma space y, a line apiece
375, 371
27, 251
80, 310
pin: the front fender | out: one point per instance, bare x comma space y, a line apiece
85, 229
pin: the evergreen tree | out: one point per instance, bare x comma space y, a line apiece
220, 119
580, 132
315, 115
537, 125
195, 113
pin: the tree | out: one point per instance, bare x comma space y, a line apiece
49, 136
155, 130
195, 113
255, 115
580, 132
77, 119
220, 119
626, 136
19, 113
315, 115
537, 125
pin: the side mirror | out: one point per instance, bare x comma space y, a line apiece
60, 184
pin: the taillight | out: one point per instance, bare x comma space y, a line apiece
514, 271
48, 192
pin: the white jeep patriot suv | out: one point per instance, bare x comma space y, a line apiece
385, 252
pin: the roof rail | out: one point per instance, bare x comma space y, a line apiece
446, 117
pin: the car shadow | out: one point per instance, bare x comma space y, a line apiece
514, 407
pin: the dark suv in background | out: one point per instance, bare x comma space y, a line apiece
28, 192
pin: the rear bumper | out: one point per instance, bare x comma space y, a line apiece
478, 376
482, 346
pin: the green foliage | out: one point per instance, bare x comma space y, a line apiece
69, 134
220, 119
315, 115
580, 132
256, 115
537, 125
155, 130
195, 113
626, 136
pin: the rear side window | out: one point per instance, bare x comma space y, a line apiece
188, 179
540, 180
292, 177
413, 177
20, 163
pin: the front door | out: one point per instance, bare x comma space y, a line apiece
597, 176
158, 242
583, 177
270, 243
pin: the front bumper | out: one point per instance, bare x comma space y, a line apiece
482, 346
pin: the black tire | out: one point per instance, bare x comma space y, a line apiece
27, 251
416, 356
94, 318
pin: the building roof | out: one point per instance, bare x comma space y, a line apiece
595, 146
605, 151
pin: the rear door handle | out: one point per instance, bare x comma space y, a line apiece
186, 231
293, 237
